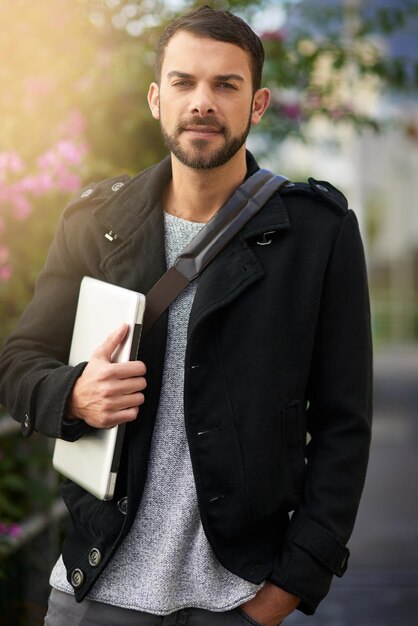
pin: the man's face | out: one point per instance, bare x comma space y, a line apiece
205, 100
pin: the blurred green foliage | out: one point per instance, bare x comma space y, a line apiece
23, 486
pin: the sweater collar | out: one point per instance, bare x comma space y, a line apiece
140, 201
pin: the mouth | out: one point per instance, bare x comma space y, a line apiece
202, 131
200, 128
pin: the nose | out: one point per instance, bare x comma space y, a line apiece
202, 101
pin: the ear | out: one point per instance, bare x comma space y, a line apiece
260, 103
154, 100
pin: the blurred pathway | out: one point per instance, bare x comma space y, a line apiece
380, 587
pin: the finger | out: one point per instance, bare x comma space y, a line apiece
114, 419
120, 403
107, 348
117, 413
112, 390
127, 386
127, 415
129, 369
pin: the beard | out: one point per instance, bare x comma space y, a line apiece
199, 156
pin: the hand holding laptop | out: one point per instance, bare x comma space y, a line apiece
109, 391
108, 394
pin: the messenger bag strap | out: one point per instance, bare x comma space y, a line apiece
244, 203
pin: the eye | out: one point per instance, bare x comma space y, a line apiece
227, 86
182, 83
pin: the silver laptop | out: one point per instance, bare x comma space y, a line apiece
93, 460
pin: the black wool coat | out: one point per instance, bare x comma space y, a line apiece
278, 354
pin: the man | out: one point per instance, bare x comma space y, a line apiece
222, 514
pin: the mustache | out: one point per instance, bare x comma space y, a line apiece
197, 120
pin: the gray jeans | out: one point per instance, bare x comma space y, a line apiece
63, 610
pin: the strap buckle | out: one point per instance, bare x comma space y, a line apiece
264, 241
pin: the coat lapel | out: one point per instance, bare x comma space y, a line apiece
139, 261
136, 215
236, 267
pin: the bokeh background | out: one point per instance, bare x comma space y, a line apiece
344, 77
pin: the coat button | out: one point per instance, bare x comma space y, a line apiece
86, 193
123, 505
202, 433
77, 578
216, 498
117, 186
95, 557
27, 425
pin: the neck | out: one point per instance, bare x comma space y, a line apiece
196, 195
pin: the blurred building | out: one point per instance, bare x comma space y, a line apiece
379, 175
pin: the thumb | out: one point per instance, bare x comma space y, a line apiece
107, 348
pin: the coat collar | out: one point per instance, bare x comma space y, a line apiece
136, 202
135, 215
140, 199
137, 261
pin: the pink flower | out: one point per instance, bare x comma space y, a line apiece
292, 110
314, 100
10, 530
70, 151
11, 161
22, 207
274, 35
5, 275
38, 86
56, 170
64, 152
74, 125
14, 531
47, 160
37, 185
341, 111
68, 182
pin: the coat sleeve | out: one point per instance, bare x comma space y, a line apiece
339, 423
35, 382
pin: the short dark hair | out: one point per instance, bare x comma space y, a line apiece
219, 25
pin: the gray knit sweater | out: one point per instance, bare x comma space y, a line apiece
166, 563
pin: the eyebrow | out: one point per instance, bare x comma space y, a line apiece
220, 77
